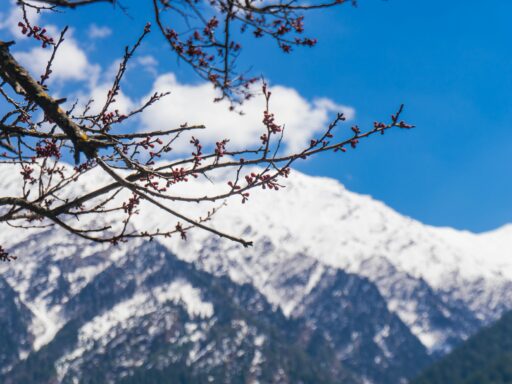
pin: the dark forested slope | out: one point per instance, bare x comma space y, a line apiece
485, 358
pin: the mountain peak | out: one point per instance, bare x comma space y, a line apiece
314, 241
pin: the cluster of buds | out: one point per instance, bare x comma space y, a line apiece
210, 27
266, 181
84, 166
233, 186
245, 197
147, 143
252, 178
378, 125
178, 175
198, 154
190, 48
212, 51
269, 182
131, 204
155, 185
26, 172
5, 256
48, 148
204, 55
237, 189
269, 121
37, 33
285, 172
110, 117
220, 147
403, 124
181, 231
340, 148
280, 29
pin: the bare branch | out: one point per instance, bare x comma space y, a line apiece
37, 134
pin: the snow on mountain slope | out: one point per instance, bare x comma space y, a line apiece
442, 283
151, 314
316, 222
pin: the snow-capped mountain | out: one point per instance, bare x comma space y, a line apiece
338, 286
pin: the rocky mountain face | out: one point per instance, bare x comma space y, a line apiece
147, 313
338, 288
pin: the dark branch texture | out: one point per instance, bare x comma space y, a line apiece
37, 133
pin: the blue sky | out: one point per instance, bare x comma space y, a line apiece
450, 63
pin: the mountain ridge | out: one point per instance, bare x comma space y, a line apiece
441, 284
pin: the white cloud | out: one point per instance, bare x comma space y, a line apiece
194, 104
303, 118
149, 63
71, 62
147, 60
98, 32
10, 20
99, 94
